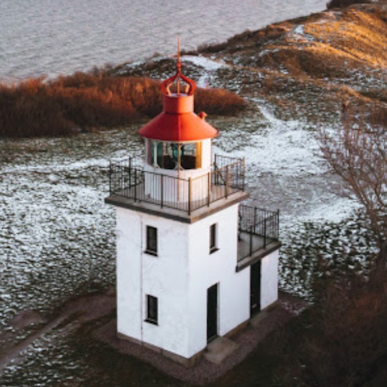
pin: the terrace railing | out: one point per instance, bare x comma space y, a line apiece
260, 226
129, 179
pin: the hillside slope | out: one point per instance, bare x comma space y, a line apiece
308, 66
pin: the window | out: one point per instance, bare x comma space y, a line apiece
170, 155
213, 239
151, 310
163, 155
151, 240
191, 155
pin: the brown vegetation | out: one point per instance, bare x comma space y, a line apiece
344, 340
308, 65
80, 102
359, 156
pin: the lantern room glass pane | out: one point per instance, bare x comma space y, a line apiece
191, 157
169, 155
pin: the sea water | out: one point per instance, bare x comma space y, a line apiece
51, 37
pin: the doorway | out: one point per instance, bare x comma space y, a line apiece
255, 288
212, 312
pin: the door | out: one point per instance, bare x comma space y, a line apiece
212, 312
255, 288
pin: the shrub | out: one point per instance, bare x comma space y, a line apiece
345, 336
218, 101
81, 101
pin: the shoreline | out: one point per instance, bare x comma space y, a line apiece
120, 44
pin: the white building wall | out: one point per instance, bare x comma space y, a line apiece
165, 277
206, 270
179, 277
206, 154
269, 279
128, 226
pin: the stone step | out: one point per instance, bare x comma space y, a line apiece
219, 349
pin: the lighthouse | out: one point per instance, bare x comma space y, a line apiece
194, 263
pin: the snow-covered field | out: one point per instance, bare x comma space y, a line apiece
57, 238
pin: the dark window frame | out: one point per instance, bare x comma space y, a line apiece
214, 238
151, 241
152, 310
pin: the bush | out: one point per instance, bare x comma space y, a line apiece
345, 338
345, 3
81, 101
218, 101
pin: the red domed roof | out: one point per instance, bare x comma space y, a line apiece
178, 122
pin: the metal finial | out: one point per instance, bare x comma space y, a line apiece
178, 64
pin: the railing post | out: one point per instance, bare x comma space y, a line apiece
122, 180
189, 195
135, 185
162, 190
251, 241
255, 218
209, 189
227, 180
278, 213
110, 178
264, 233
244, 174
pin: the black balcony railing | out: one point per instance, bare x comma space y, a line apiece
257, 229
128, 179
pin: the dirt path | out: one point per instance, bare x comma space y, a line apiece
77, 312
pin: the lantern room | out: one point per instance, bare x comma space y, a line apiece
178, 139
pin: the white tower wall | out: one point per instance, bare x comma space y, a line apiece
165, 277
206, 270
179, 277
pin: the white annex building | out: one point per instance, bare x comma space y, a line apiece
193, 262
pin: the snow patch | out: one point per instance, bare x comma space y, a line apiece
285, 149
54, 166
335, 212
206, 63
209, 66
299, 33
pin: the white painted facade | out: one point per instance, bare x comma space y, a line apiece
269, 279
179, 277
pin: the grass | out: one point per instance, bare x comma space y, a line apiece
81, 102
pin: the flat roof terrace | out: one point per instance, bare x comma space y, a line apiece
129, 180
189, 200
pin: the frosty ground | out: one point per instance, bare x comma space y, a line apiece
57, 239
